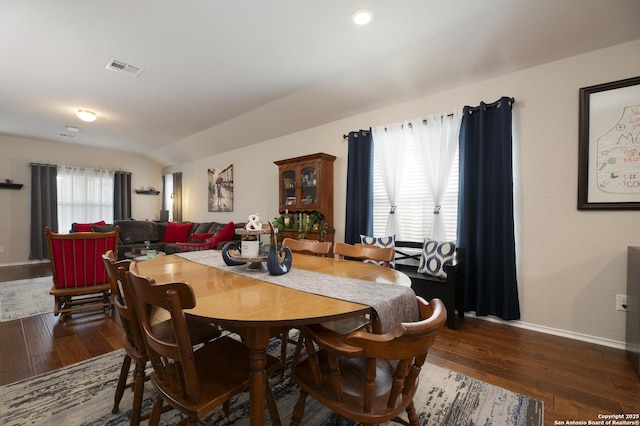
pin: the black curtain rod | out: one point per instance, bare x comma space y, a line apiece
361, 130
471, 109
495, 104
82, 168
42, 164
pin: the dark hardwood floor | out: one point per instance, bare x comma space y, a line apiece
575, 380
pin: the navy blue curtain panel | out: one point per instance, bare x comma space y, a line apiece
485, 203
359, 205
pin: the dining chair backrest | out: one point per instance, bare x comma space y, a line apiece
308, 246
170, 356
364, 252
128, 318
132, 338
111, 265
366, 377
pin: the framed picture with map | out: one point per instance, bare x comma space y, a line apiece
609, 154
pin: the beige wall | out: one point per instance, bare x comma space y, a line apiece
571, 263
17, 153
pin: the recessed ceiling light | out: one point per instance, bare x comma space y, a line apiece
86, 115
362, 16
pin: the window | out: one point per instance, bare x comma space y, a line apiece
168, 195
84, 196
415, 206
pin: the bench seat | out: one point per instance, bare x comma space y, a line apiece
450, 289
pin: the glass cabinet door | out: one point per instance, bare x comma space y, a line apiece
308, 182
289, 188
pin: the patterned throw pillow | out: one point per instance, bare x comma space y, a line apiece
434, 255
382, 242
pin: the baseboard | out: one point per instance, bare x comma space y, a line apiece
29, 262
554, 331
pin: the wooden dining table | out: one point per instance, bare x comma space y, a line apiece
242, 301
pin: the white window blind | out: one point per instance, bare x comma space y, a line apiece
415, 206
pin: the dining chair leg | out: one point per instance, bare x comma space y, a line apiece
313, 361
298, 410
334, 377
272, 406
138, 391
412, 415
298, 352
122, 383
156, 411
284, 341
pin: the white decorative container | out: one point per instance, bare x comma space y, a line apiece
249, 248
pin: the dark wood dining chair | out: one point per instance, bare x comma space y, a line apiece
132, 337
194, 383
365, 377
364, 252
132, 340
308, 246
379, 255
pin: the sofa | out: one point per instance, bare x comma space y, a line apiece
162, 236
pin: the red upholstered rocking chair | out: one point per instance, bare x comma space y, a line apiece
80, 281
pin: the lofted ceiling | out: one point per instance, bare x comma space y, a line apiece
250, 70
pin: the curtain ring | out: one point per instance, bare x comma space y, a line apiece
393, 210
436, 209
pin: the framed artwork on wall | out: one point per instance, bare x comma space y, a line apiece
220, 189
609, 146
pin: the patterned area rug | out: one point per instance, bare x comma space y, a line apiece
25, 298
82, 394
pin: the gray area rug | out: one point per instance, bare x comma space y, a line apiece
25, 298
82, 394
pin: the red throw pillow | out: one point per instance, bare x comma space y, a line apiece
177, 232
225, 234
86, 227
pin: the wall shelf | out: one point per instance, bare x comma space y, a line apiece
143, 191
11, 185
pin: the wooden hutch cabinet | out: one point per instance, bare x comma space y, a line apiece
306, 188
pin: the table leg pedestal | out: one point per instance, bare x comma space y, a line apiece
257, 340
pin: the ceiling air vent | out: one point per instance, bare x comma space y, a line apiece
123, 67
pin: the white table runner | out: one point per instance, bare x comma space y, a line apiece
393, 303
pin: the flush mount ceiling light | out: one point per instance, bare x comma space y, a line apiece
86, 115
362, 16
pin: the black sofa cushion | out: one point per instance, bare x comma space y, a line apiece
137, 231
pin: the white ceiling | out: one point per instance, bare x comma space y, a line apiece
251, 70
